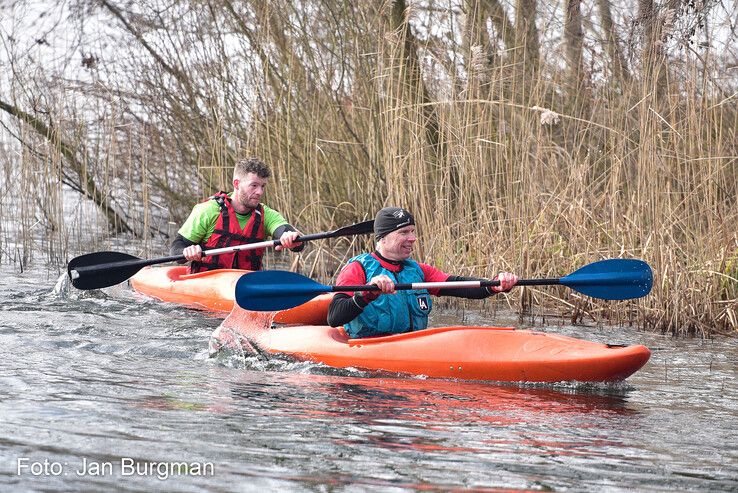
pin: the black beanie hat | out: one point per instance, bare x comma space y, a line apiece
391, 219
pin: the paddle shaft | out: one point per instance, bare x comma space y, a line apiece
445, 285
90, 269
610, 279
359, 228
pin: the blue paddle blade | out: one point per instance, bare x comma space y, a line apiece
274, 290
612, 279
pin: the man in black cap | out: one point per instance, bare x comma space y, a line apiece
366, 313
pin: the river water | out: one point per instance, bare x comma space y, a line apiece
110, 390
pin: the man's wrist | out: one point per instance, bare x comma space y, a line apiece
360, 300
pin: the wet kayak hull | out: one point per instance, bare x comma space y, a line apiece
214, 291
501, 354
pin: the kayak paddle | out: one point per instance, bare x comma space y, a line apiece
104, 269
612, 279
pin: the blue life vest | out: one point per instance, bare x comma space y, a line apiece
403, 311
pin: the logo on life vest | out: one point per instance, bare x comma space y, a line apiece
422, 302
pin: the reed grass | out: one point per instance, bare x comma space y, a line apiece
506, 167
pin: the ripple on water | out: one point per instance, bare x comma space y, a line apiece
107, 374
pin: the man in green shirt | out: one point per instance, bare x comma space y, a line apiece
236, 218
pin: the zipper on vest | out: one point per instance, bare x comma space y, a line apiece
409, 308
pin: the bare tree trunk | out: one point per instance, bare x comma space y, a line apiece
647, 16
477, 49
652, 56
574, 39
573, 36
501, 22
526, 36
412, 74
618, 65
84, 181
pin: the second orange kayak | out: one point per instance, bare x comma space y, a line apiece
214, 291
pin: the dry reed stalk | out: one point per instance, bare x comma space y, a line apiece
504, 166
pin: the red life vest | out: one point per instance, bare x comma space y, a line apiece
229, 233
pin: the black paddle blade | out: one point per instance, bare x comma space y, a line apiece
355, 229
102, 269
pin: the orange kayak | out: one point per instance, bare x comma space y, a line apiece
501, 354
214, 291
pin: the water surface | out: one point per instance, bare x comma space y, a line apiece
91, 382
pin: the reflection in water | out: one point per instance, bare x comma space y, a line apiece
385, 403
442, 423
